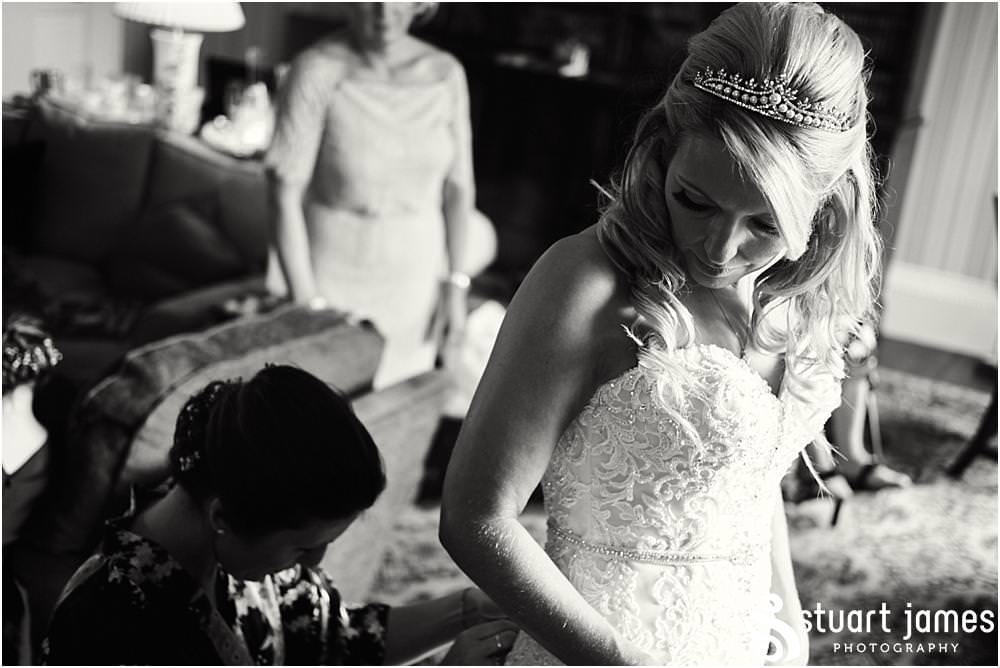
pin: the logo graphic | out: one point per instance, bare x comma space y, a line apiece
784, 641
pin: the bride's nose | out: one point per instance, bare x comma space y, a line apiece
722, 243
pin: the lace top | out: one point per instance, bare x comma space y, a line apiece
372, 147
375, 158
670, 539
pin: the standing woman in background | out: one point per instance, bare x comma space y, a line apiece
372, 182
659, 372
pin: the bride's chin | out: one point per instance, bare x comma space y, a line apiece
714, 282
703, 276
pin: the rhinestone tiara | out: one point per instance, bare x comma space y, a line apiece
772, 98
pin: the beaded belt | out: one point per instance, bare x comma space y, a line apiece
660, 557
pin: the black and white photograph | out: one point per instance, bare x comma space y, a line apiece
500, 333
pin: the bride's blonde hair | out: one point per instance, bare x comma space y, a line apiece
819, 185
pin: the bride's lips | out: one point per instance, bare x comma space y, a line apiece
710, 269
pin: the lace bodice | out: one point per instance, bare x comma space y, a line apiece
667, 538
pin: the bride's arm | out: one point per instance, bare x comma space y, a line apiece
540, 374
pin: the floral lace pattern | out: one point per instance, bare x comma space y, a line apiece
670, 540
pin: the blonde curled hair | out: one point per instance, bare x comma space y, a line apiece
819, 185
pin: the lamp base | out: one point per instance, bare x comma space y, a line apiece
175, 78
179, 110
175, 59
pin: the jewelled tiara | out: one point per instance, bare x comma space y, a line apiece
772, 98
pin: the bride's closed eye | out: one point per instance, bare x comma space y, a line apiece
685, 200
764, 226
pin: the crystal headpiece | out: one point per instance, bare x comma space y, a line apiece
192, 422
28, 351
772, 98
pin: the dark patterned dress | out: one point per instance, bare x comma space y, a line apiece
132, 603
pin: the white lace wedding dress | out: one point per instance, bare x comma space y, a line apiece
669, 542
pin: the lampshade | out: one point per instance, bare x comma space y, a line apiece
193, 16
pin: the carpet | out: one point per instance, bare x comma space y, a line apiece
933, 546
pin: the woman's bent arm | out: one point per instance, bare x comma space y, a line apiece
459, 196
291, 240
291, 160
415, 630
541, 373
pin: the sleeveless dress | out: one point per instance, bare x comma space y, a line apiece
668, 541
375, 156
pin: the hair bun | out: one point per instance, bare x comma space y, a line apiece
192, 426
28, 351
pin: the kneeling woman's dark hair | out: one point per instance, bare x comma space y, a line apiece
279, 450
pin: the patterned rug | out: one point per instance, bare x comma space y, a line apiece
928, 553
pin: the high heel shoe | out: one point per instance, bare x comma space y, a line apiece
839, 491
875, 476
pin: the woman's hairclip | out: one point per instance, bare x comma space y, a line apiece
189, 435
28, 351
187, 462
772, 98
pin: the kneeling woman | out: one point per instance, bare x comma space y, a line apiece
221, 570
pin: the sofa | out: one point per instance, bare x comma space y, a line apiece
120, 234
130, 241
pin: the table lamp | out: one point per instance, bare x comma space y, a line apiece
177, 39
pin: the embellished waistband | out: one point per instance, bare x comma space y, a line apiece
658, 557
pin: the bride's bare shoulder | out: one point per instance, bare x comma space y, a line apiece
578, 285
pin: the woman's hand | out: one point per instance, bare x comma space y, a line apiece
482, 645
859, 341
449, 322
417, 629
478, 608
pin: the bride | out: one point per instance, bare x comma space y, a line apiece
660, 371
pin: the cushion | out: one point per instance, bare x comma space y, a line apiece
173, 248
92, 182
341, 354
122, 430
183, 167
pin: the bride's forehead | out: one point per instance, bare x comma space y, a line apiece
707, 165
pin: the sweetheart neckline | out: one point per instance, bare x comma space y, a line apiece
738, 362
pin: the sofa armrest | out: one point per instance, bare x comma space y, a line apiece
192, 311
402, 420
121, 431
